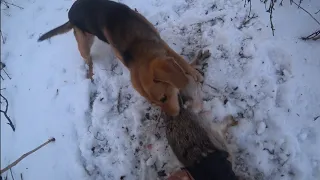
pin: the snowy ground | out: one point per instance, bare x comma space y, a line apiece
107, 131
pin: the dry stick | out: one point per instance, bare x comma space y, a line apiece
12, 4
281, 3
6, 73
270, 10
2, 65
313, 36
118, 104
21, 177
11, 174
305, 11
3, 40
247, 20
5, 3
250, 7
25, 155
317, 12
5, 112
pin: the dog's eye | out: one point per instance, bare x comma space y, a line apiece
163, 99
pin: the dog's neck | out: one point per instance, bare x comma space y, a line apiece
149, 49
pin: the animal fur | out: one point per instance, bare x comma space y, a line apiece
191, 144
157, 72
204, 157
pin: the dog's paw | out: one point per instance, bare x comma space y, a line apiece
203, 55
206, 54
230, 121
199, 61
197, 76
90, 74
200, 58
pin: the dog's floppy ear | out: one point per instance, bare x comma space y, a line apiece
167, 70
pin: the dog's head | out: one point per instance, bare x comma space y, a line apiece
167, 78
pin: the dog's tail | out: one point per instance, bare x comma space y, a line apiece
66, 27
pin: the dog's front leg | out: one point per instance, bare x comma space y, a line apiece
85, 41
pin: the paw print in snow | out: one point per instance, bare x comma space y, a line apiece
282, 64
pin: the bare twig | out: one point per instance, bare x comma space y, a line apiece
247, 20
6, 3
6, 73
305, 11
119, 100
3, 39
21, 177
2, 65
317, 12
11, 174
25, 155
5, 113
250, 7
270, 11
281, 3
314, 36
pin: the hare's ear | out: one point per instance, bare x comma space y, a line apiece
168, 71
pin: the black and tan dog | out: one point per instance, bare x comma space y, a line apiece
157, 72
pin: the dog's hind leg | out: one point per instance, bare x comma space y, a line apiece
85, 41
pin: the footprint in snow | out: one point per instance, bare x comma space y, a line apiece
282, 64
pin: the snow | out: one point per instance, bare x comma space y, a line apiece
106, 130
261, 128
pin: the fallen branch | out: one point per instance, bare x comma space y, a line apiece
314, 36
5, 113
25, 155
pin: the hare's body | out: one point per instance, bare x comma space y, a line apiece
194, 149
204, 157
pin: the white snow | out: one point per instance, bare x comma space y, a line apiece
106, 130
261, 127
